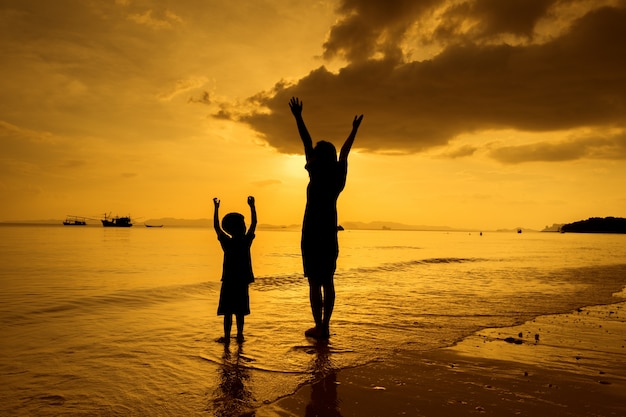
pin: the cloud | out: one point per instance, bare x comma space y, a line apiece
460, 152
184, 86
17, 133
475, 82
204, 98
488, 19
371, 27
166, 20
589, 147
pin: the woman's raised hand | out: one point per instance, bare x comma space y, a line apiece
296, 106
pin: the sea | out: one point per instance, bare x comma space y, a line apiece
122, 321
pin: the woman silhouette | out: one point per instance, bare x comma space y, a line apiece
320, 248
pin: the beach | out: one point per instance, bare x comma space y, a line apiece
122, 322
576, 368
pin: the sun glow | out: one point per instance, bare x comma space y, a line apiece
293, 166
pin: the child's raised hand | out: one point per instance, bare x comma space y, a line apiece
216, 202
357, 121
251, 201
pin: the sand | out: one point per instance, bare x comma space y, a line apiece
560, 365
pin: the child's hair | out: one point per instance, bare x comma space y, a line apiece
234, 224
325, 152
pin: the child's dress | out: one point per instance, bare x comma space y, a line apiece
236, 275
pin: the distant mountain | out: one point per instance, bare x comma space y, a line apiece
378, 225
516, 230
556, 227
174, 222
381, 225
205, 222
171, 221
47, 221
597, 225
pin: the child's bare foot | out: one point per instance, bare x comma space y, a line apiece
240, 338
223, 339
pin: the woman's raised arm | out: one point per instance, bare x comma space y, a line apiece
345, 149
296, 109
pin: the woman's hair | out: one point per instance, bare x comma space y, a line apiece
234, 224
325, 152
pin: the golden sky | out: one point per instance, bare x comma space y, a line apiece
478, 113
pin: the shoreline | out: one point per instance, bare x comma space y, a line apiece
575, 366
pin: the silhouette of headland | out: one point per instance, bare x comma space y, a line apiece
596, 225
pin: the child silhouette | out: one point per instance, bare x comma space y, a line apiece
237, 267
319, 244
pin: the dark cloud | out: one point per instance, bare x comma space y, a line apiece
203, 98
491, 18
600, 147
465, 150
573, 80
371, 26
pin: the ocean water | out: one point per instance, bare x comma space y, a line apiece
117, 322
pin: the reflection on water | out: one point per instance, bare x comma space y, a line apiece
122, 322
324, 401
233, 396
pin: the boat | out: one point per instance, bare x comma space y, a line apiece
75, 221
154, 225
116, 221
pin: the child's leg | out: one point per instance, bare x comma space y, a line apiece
228, 324
240, 323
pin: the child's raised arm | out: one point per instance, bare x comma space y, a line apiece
216, 218
296, 108
345, 149
253, 220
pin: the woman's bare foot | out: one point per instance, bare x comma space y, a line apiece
312, 332
317, 333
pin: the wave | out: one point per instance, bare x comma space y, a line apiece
248, 363
404, 265
396, 247
271, 282
123, 299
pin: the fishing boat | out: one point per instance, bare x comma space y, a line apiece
154, 225
75, 221
116, 221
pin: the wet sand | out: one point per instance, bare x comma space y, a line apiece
559, 365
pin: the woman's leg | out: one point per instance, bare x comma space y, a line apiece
322, 305
329, 305
240, 323
228, 324
315, 298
